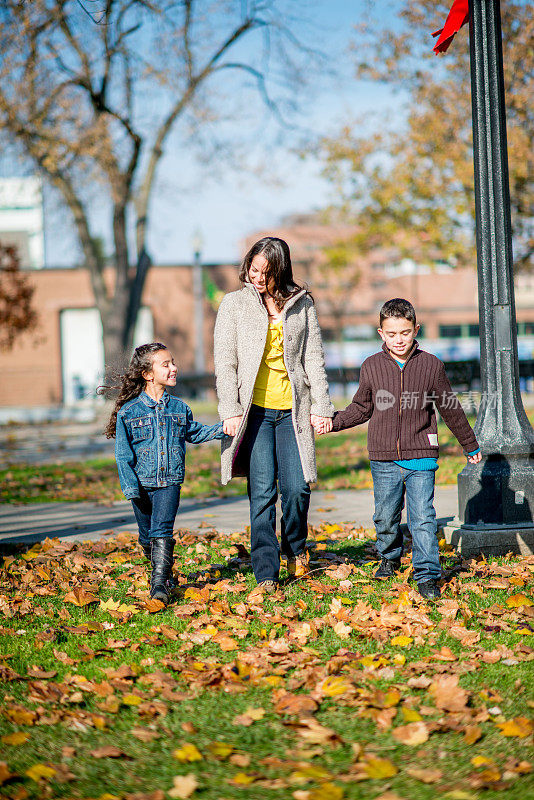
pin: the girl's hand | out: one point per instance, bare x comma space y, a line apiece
475, 459
321, 424
231, 425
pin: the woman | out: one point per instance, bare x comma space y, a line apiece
272, 389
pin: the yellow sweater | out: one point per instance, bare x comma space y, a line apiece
273, 388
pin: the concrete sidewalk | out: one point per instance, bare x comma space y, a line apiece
88, 521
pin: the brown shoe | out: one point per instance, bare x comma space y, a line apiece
297, 566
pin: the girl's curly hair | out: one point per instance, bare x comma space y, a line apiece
132, 382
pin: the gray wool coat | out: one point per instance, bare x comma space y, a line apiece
239, 341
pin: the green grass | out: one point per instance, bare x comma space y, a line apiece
342, 461
188, 688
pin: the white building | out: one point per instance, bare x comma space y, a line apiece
21, 219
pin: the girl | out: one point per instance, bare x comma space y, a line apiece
151, 429
272, 388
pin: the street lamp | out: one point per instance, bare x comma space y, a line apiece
496, 496
198, 300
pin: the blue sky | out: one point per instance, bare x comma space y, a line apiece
227, 204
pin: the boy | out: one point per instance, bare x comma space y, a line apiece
397, 391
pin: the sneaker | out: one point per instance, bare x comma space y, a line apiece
429, 589
268, 586
387, 568
297, 566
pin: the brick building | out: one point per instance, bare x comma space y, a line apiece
41, 369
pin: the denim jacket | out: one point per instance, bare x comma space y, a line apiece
150, 441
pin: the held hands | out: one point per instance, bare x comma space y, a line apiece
321, 424
475, 459
231, 425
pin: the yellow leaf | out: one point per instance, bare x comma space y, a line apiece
517, 600
132, 700
192, 594
411, 715
20, 716
380, 768
40, 772
109, 605
220, 749
328, 529
401, 641
334, 685
125, 609
482, 761
272, 680
518, 726
183, 786
327, 791
524, 631
374, 662
399, 659
19, 737
242, 779
188, 752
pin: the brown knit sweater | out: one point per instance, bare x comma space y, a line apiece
399, 405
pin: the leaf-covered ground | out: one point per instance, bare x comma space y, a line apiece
335, 687
342, 461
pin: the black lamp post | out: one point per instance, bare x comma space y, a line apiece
496, 496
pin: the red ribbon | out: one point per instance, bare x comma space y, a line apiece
458, 16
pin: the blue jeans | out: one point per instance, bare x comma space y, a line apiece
155, 512
272, 452
391, 483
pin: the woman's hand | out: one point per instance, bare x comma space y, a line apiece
231, 425
321, 424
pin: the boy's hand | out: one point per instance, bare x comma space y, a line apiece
321, 424
231, 425
475, 459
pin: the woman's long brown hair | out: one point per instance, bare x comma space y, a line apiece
278, 272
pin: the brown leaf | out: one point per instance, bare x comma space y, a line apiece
296, 704
425, 775
80, 597
448, 695
108, 751
472, 733
153, 606
183, 786
5, 774
413, 734
145, 734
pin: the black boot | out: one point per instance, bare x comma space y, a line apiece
162, 561
387, 568
146, 550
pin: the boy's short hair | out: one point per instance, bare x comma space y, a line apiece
398, 308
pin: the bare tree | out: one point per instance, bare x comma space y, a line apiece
91, 92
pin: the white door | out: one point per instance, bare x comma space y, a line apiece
82, 351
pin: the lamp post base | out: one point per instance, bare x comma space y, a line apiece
497, 491
490, 540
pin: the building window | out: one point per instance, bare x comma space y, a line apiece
525, 328
473, 331
421, 332
450, 331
